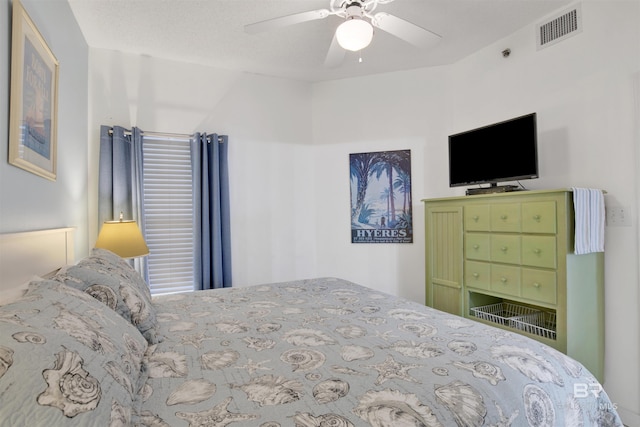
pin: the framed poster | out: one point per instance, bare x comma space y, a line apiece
34, 98
381, 202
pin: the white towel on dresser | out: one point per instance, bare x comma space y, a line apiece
588, 204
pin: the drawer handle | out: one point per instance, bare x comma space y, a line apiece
476, 246
504, 249
476, 218
503, 279
476, 275
537, 218
537, 251
536, 285
503, 217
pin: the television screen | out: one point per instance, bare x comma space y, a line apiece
505, 151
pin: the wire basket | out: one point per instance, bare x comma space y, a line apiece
542, 324
502, 313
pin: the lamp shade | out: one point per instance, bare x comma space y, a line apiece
122, 238
354, 34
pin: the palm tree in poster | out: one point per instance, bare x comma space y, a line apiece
361, 166
388, 162
402, 183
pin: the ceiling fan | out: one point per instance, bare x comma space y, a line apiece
356, 32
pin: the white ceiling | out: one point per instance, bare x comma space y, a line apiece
211, 32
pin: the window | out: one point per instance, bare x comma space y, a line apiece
168, 214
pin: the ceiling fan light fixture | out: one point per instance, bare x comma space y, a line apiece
354, 34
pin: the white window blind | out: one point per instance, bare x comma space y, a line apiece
168, 212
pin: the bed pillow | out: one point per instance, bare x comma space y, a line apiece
111, 280
14, 293
68, 360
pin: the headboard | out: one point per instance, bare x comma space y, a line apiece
32, 253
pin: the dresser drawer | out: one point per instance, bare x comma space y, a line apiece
539, 217
505, 279
539, 251
476, 218
539, 285
477, 274
505, 248
505, 217
477, 246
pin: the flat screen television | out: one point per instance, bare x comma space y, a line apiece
500, 152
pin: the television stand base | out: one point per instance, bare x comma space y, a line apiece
492, 189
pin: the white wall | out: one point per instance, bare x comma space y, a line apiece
583, 90
388, 112
27, 201
290, 143
270, 159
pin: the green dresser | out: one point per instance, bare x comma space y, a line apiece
507, 259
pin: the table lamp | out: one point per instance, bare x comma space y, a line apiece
123, 238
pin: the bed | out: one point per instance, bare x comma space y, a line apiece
90, 346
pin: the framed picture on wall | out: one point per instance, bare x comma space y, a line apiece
381, 201
34, 98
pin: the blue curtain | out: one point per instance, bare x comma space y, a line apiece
120, 190
120, 179
211, 206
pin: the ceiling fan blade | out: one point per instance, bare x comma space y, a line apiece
405, 30
284, 21
335, 55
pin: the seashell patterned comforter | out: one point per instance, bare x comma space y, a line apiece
93, 348
327, 352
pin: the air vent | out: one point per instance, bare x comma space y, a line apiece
561, 27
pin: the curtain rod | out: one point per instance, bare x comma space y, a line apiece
180, 136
